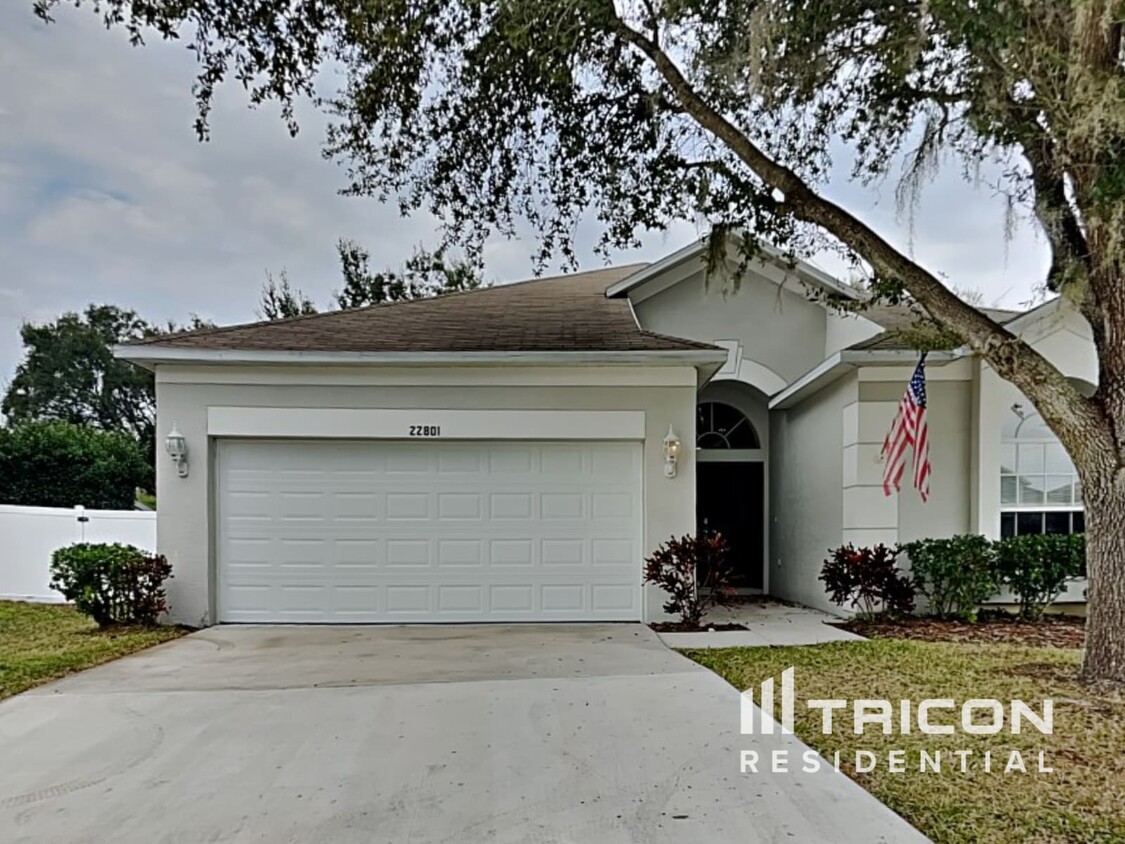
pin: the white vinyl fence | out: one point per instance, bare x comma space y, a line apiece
29, 535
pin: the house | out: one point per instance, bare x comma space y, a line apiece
512, 454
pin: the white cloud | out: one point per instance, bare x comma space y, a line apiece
106, 195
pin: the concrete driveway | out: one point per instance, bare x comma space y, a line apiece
576, 733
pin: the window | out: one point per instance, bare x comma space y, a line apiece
1039, 487
1023, 522
720, 426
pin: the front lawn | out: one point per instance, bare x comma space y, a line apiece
42, 642
1083, 800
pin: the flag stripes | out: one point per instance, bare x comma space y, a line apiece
909, 430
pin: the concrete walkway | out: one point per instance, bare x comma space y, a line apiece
768, 623
510, 734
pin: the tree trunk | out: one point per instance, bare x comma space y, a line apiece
1105, 566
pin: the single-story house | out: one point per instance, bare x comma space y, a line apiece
513, 453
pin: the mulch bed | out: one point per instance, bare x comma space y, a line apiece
1053, 631
680, 627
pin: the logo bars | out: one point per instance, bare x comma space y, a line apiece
766, 706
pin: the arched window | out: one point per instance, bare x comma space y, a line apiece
720, 426
1039, 487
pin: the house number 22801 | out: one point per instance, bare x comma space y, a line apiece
425, 430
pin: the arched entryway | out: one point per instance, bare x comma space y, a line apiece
731, 482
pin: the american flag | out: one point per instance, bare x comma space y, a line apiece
909, 430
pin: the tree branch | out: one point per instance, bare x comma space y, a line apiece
1072, 416
1055, 214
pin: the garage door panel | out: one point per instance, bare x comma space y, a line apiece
356, 553
508, 463
563, 460
457, 506
563, 598
511, 552
459, 553
405, 531
359, 506
511, 506
450, 462
408, 553
611, 597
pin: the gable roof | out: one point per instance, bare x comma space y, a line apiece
567, 313
896, 320
805, 271
890, 347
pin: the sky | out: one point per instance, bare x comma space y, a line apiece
107, 196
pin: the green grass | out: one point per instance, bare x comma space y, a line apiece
42, 642
1083, 800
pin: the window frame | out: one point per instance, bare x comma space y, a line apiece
755, 443
1043, 509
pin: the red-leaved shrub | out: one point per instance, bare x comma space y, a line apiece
695, 572
112, 584
868, 579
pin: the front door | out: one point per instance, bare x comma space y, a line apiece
730, 500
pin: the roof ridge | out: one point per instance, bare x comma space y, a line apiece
222, 329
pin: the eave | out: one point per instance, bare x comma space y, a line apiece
706, 361
840, 364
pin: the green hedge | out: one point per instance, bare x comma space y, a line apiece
958, 574
56, 464
1037, 567
955, 575
112, 584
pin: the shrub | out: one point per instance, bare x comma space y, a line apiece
56, 464
112, 584
1036, 568
695, 573
956, 575
868, 579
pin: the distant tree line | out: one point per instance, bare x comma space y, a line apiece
425, 274
81, 424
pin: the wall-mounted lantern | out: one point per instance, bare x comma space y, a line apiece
671, 453
177, 449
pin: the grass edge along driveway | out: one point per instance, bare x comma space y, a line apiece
1082, 800
43, 642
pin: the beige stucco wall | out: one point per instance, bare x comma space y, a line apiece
779, 329
844, 329
949, 414
667, 397
807, 491
826, 475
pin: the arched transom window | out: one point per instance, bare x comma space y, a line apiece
1039, 487
721, 426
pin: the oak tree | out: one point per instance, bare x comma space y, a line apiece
639, 112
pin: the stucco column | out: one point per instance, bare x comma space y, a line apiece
984, 516
869, 516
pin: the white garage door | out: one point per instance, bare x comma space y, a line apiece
390, 531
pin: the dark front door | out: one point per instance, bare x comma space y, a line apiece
730, 499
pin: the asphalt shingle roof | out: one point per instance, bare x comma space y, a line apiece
557, 314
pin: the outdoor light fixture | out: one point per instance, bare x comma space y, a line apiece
671, 453
176, 446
